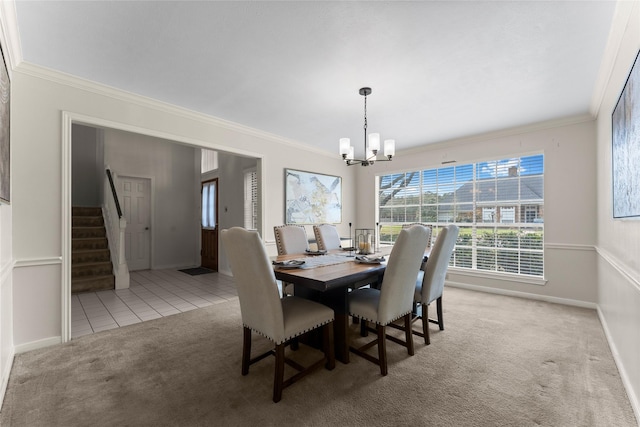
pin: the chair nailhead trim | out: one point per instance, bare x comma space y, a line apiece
377, 323
291, 337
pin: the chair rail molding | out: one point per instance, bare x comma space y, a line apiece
624, 270
569, 246
36, 262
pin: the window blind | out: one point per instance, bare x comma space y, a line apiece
498, 205
251, 199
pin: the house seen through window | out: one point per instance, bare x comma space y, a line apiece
498, 205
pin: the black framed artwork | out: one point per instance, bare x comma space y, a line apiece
625, 141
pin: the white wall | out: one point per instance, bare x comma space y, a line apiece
618, 242
231, 197
6, 298
41, 97
6, 237
569, 218
175, 194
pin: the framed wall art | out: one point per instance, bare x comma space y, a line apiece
312, 198
5, 147
625, 141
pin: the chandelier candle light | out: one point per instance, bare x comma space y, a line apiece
371, 149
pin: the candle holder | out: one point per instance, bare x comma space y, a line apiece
365, 239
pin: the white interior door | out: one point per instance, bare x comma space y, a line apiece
136, 201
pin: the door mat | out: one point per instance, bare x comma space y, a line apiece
197, 271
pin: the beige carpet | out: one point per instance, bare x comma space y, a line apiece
501, 361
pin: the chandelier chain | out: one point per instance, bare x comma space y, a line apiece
365, 113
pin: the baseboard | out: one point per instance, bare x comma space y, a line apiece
35, 345
6, 372
633, 398
174, 266
507, 292
226, 272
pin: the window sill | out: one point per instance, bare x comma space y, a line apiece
507, 277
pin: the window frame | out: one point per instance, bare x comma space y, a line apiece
524, 217
250, 202
208, 213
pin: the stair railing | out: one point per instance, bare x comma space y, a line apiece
112, 187
115, 225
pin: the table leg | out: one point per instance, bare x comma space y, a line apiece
337, 300
341, 338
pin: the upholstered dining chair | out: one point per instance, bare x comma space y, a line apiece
327, 237
429, 229
264, 312
394, 299
290, 239
430, 281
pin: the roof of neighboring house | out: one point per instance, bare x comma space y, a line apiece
531, 188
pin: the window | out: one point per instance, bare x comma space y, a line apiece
209, 204
208, 160
498, 205
251, 199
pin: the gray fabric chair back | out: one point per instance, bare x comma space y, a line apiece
398, 284
437, 264
291, 239
253, 274
327, 237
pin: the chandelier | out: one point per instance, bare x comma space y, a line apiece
371, 149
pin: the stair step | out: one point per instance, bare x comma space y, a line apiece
87, 221
86, 211
83, 232
91, 255
91, 269
93, 284
89, 243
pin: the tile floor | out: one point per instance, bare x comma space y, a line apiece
152, 294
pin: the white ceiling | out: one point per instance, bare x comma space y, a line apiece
438, 69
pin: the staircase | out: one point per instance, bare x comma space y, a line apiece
91, 268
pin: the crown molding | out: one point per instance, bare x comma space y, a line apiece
621, 20
9, 35
57, 77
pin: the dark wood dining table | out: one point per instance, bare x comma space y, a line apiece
329, 285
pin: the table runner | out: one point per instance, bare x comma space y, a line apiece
322, 260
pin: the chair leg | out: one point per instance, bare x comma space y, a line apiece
408, 335
246, 351
425, 324
279, 373
329, 353
439, 310
364, 328
382, 349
